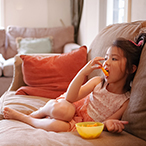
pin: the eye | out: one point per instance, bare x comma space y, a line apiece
105, 58
114, 59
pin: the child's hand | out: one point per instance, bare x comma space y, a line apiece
114, 126
92, 65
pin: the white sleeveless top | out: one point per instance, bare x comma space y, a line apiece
103, 104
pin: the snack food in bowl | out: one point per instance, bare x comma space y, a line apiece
89, 129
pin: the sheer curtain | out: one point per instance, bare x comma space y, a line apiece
76, 13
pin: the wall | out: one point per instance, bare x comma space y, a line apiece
94, 15
93, 20
138, 11
47, 13
36, 13
89, 25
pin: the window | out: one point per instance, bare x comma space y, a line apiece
117, 11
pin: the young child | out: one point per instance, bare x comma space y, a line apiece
100, 99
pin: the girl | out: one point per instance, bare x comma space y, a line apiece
108, 99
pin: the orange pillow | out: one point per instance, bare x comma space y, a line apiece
50, 76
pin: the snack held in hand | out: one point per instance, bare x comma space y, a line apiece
104, 71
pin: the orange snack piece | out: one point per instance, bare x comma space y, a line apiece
104, 71
90, 125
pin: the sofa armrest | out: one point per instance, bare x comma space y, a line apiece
70, 47
17, 80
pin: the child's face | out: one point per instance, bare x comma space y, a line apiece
115, 64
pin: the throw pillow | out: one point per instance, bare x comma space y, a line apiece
50, 76
34, 45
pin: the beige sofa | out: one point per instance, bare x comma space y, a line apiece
61, 36
16, 133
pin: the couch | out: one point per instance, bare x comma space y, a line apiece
60, 36
16, 133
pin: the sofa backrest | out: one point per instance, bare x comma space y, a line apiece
2, 42
136, 110
61, 36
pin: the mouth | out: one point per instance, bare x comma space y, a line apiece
105, 71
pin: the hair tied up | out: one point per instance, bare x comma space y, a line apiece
139, 43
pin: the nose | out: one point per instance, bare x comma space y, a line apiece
106, 63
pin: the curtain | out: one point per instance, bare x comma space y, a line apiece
76, 13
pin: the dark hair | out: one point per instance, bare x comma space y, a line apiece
132, 51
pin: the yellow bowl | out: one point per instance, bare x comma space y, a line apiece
89, 129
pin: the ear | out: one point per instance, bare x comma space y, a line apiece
134, 68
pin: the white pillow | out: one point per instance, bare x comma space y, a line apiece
34, 45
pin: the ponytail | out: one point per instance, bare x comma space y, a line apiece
141, 40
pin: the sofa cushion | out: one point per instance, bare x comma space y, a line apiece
34, 45
61, 35
50, 76
105, 38
27, 135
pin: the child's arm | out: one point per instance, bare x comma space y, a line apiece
75, 90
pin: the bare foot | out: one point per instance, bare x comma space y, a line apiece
45, 123
11, 114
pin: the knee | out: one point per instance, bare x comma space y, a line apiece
63, 110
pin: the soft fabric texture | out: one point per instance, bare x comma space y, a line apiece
2, 42
23, 104
136, 111
34, 45
61, 36
50, 76
15, 133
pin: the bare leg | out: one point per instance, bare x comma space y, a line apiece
57, 109
45, 123
44, 111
